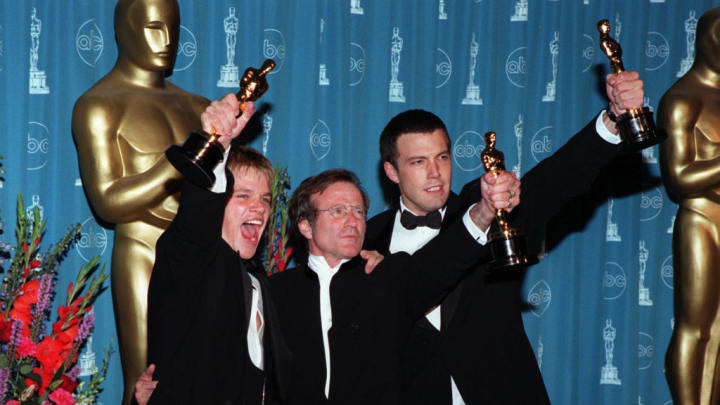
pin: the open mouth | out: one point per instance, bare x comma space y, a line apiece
434, 189
251, 230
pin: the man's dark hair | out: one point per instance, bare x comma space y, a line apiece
406, 122
301, 205
243, 157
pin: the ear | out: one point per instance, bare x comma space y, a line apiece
305, 229
391, 172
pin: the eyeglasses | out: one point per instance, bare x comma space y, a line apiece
340, 211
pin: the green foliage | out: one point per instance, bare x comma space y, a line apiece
277, 252
25, 317
87, 393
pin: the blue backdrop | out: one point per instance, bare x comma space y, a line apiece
601, 314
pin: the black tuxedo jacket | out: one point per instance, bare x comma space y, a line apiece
198, 312
372, 316
482, 343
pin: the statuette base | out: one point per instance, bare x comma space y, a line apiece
509, 253
196, 159
637, 129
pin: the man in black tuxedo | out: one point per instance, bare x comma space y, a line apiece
347, 329
472, 349
212, 327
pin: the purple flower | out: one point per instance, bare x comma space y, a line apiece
86, 326
15, 334
73, 373
4, 376
43, 295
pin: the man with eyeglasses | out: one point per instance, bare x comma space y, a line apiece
347, 329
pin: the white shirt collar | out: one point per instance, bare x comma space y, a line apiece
319, 265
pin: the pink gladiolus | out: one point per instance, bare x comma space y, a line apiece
62, 397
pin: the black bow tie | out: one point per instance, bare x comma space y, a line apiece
411, 221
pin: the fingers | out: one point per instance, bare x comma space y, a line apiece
503, 182
148, 373
145, 385
243, 119
624, 91
231, 100
373, 258
628, 75
505, 200
503, 194
145, 388
219, 116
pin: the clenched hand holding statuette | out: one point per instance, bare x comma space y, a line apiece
508, 248
636, 125
199, 155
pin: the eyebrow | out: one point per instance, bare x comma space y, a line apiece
249, 190
446, 151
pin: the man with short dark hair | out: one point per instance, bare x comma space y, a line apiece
347, 329
212, 331
472, 349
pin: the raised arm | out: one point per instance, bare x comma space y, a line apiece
201, 211
572, 168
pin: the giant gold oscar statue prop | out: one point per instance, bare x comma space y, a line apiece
199, 155
635, 125
508, 248
122, 126
690, 160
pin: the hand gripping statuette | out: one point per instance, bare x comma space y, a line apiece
197, 157
508, 248
636, 125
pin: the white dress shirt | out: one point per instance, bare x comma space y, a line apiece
325, 274
256, 326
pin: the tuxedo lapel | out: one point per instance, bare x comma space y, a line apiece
425, 323
450, 303
387, 235
449, 306
452, 211
379, 232
247, 292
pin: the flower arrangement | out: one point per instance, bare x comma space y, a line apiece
38, 366
277, 253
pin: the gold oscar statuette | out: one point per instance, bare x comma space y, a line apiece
508, 248
690, 163
200, 154
635, 125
